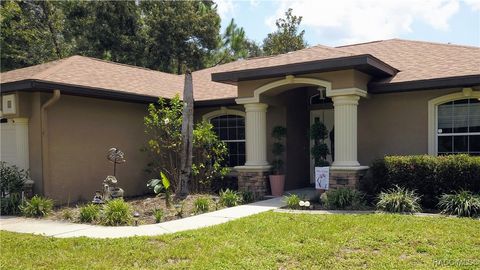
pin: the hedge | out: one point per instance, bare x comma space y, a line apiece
430, 176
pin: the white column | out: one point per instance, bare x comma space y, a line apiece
345, 102
256, 134
345, 130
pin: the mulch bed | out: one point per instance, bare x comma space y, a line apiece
145, 206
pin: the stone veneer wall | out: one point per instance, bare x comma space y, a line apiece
345, 178
255, 182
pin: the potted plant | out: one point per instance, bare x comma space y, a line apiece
277, 179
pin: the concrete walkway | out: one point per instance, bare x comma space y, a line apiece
67, 229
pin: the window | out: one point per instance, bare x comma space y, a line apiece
458, 127
231, 129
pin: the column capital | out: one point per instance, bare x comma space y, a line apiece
255, 107
347, 92
345, 100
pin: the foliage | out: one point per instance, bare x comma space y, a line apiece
462, 203
162, 186
278, 134
12, 180
399, 200
158, 215
288, 241
37, 207
163, 127
196, 28
31, 33
247, 197
292, 201
343, 198
116, 212
319, 150
286, 38
230, 198
89, 213
430, 176
201, 205
67, 214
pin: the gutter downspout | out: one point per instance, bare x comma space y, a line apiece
44, 135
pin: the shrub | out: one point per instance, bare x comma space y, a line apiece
158, 215
463, 204
162, 185
230, 198
12, 180
247, 197
343, 198
37, 207
116, 213
292, 201
399, 200
201, 205
430, 176
67, 214
89, 213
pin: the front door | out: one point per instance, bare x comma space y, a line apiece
326, 117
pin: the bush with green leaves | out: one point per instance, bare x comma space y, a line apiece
247, 197
278, 134
292, 201
67, 214
230, 198
430, 176
162, 185
116, 212
462, 203
89, 213
343, 198
319, 150
158, 215
37, 207
163, 126
12, 180
201, 205
399, 200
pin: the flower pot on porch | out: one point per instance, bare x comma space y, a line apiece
277, 183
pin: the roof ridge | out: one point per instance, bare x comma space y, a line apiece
121, 64
44, 73
408, 40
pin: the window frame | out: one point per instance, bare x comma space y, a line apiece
466, 93
224, 111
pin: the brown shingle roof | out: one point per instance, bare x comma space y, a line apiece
109, 76
415, 60
419, 60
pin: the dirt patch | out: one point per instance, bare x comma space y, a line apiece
145, 206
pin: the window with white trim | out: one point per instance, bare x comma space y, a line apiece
231, 129
458, 127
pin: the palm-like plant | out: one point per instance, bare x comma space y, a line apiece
463, 204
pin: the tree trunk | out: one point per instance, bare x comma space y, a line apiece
187, 137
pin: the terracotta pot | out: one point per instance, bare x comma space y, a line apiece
277, 182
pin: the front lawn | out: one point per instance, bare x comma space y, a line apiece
266, 241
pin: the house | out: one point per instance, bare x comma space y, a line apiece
380, 98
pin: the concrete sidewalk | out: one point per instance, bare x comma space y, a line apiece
67, 229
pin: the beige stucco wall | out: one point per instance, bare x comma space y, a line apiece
339, 80
394, 124
80, 131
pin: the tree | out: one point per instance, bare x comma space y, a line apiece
180, 33
31, 33
163, 127
187, 137
110, 30
286, 38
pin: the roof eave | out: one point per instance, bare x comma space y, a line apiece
365, 63
435, 83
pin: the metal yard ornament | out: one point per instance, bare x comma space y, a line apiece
116, 156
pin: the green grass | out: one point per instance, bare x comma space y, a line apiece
265, 241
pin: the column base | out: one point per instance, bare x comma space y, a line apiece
253, 179
346, 176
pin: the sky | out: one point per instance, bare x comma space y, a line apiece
341, 22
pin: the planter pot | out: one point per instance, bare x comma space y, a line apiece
277, 182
